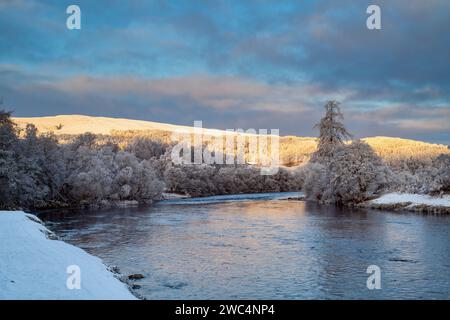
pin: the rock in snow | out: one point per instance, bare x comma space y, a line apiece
136, 276
32, 266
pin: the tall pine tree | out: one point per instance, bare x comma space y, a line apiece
332, 133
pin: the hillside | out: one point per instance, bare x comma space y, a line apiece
76, 124
134, 163
293, 150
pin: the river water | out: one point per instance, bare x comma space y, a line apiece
261, 247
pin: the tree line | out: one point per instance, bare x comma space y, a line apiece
46, 171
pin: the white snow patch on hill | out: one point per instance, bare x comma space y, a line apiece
34, 267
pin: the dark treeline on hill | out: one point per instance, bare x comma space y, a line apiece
48, 170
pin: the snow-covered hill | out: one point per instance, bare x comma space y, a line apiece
292, 149
76, 124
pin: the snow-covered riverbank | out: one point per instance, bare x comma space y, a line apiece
32, 266
411, 202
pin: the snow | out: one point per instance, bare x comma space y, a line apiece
77, 124
35, 267
415, 199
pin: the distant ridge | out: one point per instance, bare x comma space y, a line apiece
77, 124
293, 149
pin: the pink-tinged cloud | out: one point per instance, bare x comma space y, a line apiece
211, 92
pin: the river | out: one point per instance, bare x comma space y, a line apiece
261, 247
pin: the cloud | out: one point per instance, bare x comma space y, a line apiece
216, 92
221, 102
424, 125
423, 122
232, 62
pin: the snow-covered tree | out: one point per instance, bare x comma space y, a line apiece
357, 173
339, 172
354, 174
8, 161
146, 149
8, 130
332, 132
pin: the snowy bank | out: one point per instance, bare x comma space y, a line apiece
32, 266
411, 202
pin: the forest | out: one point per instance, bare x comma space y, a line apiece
47, 170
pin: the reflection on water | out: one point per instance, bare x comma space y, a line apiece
266, 249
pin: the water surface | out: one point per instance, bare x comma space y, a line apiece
265, 249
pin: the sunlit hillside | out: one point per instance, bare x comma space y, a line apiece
293, 150
76, 124
397, 148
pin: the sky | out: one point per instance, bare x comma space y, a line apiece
233, 64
